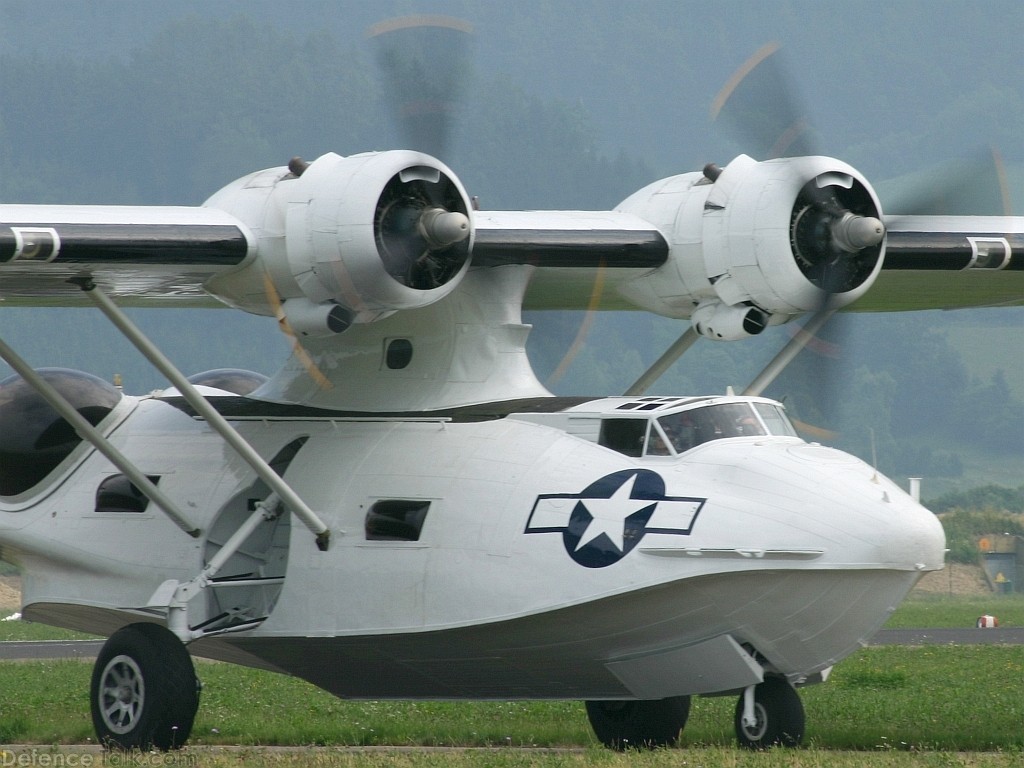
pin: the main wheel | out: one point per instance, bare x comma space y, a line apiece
144, 691
638, 724
779, 713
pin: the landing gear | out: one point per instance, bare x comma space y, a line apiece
144, 691
638, 724
778, 715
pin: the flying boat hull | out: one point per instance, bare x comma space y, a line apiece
577, 571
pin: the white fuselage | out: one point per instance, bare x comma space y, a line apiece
543, 563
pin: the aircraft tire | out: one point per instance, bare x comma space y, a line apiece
780, 716
644, 724
144, 693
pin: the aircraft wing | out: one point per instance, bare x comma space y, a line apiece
141, 255
581, 256
609, 260
949, 262
931, 262
568, 239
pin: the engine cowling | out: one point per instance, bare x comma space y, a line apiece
347, 240
757, 243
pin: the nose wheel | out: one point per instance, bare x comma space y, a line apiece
144, 691
775, 719
638, 724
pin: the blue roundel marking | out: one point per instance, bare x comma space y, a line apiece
605, 521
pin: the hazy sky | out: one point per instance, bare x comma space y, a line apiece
865, 69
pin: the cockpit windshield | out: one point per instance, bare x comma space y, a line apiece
663, 426
686, 429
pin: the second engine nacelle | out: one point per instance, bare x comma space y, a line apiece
347, 240
756, 243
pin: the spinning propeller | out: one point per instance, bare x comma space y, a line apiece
835, 231
423, 63
403, 207
422, 230
836, 234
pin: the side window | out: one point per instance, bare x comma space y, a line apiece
34, 438
117, 494
775, 419
623, 435
396, 520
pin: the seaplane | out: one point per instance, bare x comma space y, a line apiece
403, 511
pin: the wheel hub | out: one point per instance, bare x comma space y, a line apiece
757, 731
121, 694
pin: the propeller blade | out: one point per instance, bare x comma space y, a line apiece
975, 186
759, 109
421, 225
274, 300
835, 234
424, 66
589, 315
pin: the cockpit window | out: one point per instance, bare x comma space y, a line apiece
775, 419
656, 445
700, 425
623, 435
678, 432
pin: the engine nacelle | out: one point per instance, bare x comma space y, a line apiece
779, 237
347, 240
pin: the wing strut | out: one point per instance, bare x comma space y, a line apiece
89, 433
663, 363
248, 454
785, 355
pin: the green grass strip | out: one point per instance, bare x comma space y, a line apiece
937, 698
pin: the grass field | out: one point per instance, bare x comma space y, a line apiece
945, 698
934, 611
705, 757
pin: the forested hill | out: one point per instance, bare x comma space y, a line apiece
571, 103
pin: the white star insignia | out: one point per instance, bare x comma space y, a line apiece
609, 515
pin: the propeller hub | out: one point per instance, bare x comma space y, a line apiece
853, 233
442, 228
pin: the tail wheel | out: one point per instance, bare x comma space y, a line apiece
638, 724
144, 692
779, 714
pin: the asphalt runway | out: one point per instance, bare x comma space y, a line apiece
26, 650
966, 636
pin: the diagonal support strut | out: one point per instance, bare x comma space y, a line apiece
785, 355
663, 363
202, 406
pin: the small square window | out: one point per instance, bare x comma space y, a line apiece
396, 520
